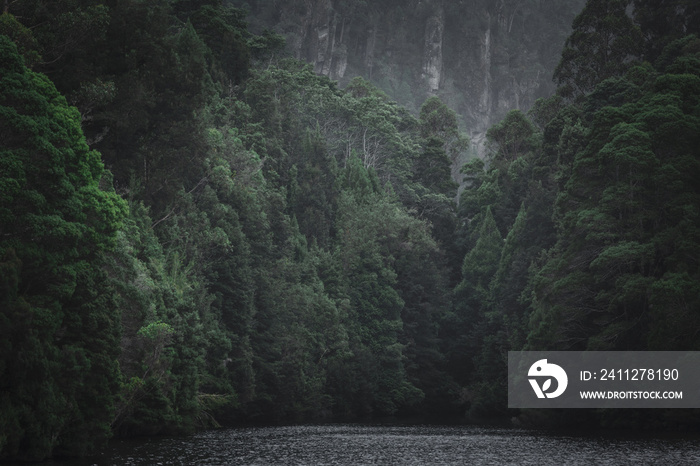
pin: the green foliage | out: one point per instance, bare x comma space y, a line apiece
511, 137
267, 267
394, 305
665, 22
56, 221
615, 221
290, 246
439, 121
471, 297
21, 36
156, 331
433, 168
603, 42
590, 256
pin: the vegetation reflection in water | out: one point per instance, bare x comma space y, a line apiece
363, 444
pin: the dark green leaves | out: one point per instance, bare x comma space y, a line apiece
56, 223
603, 42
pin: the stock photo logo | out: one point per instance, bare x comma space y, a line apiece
543, 373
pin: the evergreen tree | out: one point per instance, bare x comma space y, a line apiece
596, 290
471, 297
603, 43
58, 217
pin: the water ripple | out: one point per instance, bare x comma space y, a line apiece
400, 445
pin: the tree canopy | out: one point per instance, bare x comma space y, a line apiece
198, 231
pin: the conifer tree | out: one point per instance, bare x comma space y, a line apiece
58, 216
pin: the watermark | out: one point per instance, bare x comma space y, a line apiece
543, 370
604, 379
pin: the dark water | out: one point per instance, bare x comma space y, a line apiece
410, 445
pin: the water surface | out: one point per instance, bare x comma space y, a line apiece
400, 445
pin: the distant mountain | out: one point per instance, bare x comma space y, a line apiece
481, 57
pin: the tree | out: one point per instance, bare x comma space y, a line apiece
511, 137
471, 298
439, 121
22, 36
368, 225
603, 43
54, 230
432, 168
663, 21
626, 194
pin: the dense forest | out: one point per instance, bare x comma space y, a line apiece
198, 230
483, 58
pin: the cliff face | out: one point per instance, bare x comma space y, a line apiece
481, 57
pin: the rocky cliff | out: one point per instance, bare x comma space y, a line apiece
481, 57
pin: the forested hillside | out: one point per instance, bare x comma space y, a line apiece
196, 230
482, 58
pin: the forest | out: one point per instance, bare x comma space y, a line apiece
197, 230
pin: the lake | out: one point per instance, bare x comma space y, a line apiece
352, 444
